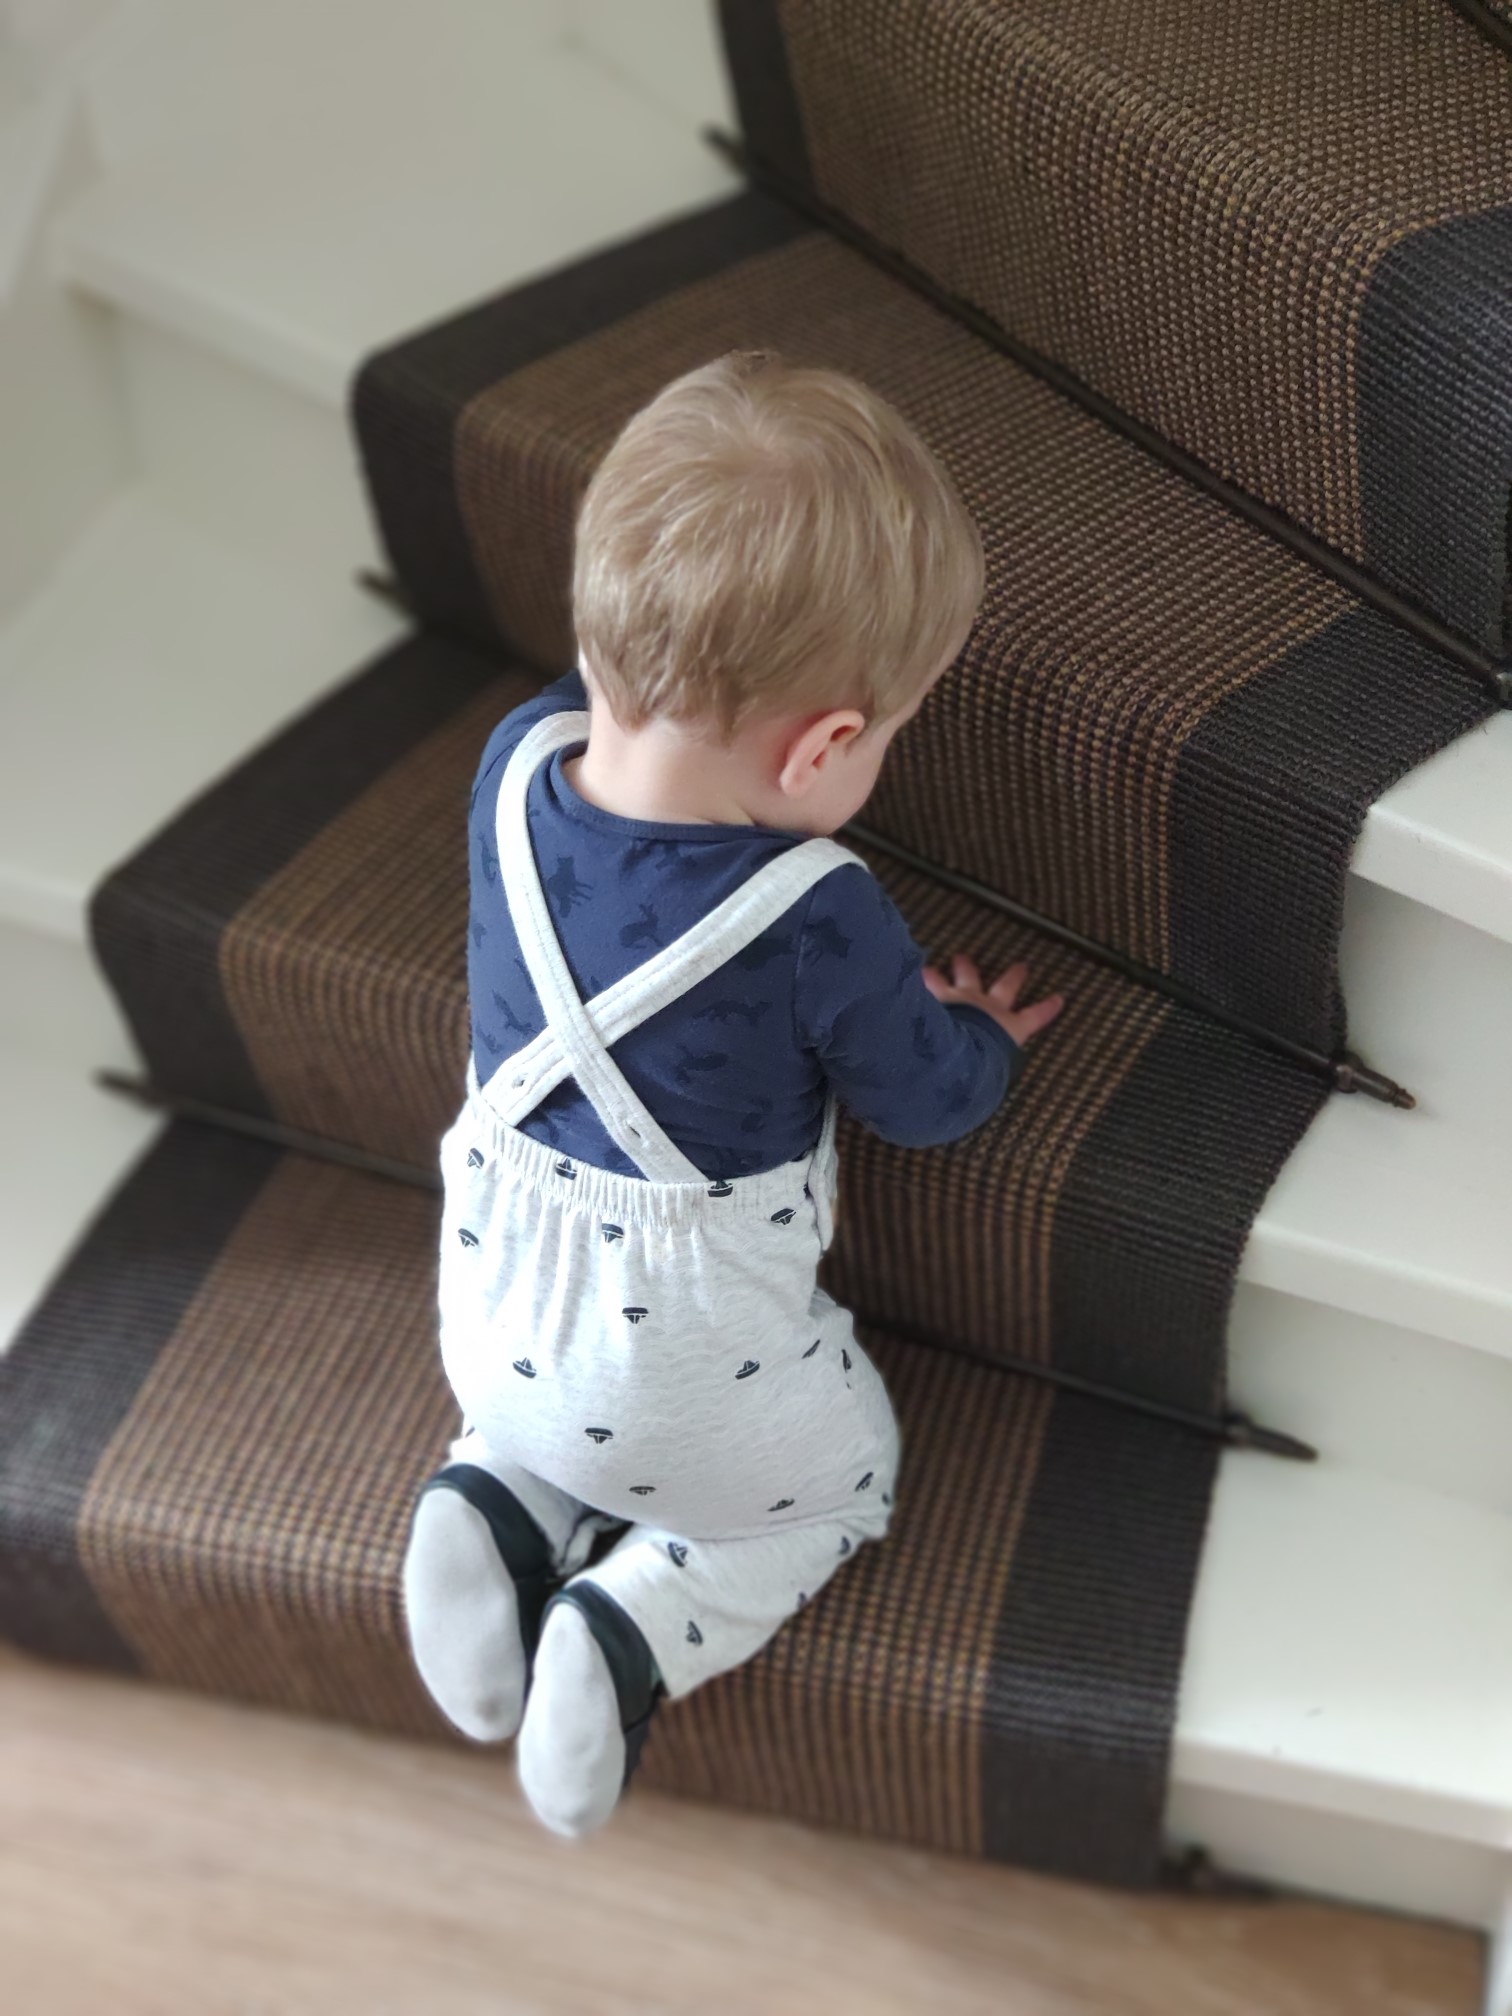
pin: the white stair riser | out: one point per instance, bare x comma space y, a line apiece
1372, 1394
245, 456
1302, 1847
63, 448
54, 1002
667, 49
1426, 996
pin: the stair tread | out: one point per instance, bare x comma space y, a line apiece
1277, 235
1443, 835
1396, 1215
1350, 1639
1357, 1218
155, 656
1330, 1658
462, 144
229, 1284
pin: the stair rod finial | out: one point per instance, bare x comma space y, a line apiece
1351, 1074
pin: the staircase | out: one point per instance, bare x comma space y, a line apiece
1342, 1721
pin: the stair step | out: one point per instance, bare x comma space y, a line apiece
229, 1284
1337, 1677
1278, 236
1443, 835
1356, 1225
1398, 1216
1374, 1394
154, 658
248, 295
413, 163
1165, 731
148, 583
1346, 1633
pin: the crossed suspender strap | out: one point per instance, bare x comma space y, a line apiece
577, 1037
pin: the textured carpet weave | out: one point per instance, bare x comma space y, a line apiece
207, 1463
1277, 231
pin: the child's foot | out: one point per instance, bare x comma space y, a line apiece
463, 1615
572, 1747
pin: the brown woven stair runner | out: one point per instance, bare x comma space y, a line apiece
1279, 232
212, 1431
1166, 730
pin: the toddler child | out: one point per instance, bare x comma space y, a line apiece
675, 974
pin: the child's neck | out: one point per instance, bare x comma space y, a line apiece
666, 775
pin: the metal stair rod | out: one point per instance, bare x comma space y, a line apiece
1345, 1073
1496, 28
1494, 673
1235, 1429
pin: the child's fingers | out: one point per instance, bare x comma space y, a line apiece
964, 972
937, 984
1006, 988
1028, 1022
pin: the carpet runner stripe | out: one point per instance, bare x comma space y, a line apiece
214, 1426
1277, 234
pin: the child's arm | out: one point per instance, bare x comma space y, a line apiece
916, 1069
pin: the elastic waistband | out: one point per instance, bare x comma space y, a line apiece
632, 1200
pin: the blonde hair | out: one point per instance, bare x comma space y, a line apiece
764, 537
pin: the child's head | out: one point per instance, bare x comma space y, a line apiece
770, 552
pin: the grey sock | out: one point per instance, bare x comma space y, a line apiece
463, 1619
572, 1749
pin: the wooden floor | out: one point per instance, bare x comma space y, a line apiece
162, 1854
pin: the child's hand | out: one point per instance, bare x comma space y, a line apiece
1000, 1000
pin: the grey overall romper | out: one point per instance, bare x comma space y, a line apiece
655, 1353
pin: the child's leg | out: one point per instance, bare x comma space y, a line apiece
487, 1539
685, 1611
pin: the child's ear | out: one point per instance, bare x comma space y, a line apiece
813, 748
